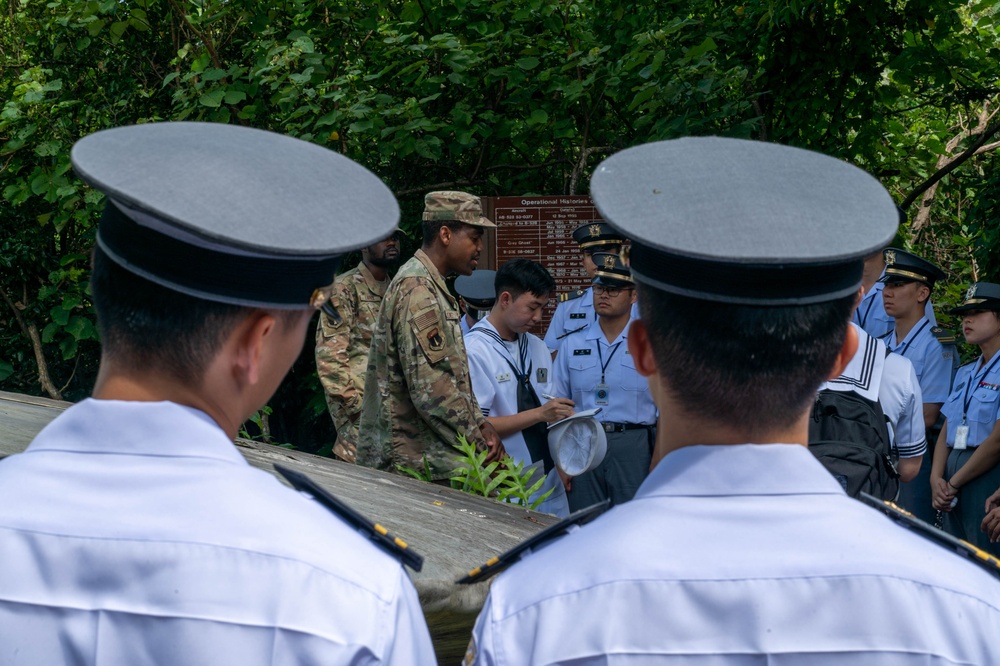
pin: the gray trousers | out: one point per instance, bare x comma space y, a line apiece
620, 473
964, 520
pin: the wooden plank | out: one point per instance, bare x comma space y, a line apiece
454, 531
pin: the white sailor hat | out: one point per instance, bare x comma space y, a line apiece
578, 443
744, 222
232, 214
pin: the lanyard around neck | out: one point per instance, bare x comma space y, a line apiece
604, 365
974, 380
901, 350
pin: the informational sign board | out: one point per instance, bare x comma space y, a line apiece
541, 229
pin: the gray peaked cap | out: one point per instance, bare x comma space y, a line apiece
478, 289
229, 213
744, 221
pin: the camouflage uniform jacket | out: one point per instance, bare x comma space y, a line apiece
342, 351
418, 395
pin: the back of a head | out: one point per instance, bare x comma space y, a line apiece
747, 257
758, 366
199, 231
145, 325
519, 276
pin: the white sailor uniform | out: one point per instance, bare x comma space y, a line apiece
495, 388
898, 391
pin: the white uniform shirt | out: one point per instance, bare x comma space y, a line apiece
898, 391
740, 555
931, 360
135, 533
495, 387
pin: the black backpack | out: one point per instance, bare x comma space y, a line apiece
849, 434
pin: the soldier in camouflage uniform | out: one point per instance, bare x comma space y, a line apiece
418, 397
342, 345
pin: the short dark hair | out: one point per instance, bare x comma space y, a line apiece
757, 367
431, 228
153, 327
520, 275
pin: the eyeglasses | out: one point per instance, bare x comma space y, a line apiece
610, 291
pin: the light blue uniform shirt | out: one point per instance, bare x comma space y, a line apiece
578, 373
931, 360
740, 555
570, 315
463, 324
982, 398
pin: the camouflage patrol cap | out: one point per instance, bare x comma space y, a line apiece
458, 206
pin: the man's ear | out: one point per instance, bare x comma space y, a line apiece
923, 293
444, 235
641, 349
248, 346
847, 351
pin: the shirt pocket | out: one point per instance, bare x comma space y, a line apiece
952, 408
630, 378
584, 373
985, 408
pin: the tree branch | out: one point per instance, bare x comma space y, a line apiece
952, 164
31, 331
582, 164
202, 36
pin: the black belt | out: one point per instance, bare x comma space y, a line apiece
611, 426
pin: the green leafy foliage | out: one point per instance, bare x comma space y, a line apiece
504, 480
493, 96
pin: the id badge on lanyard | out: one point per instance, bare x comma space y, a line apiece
961, 436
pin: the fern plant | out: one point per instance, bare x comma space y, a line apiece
504, 480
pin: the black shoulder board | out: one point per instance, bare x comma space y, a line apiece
940, 537
943, 336
581, 352
570, 295
378, 534
575, 330
540, 540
